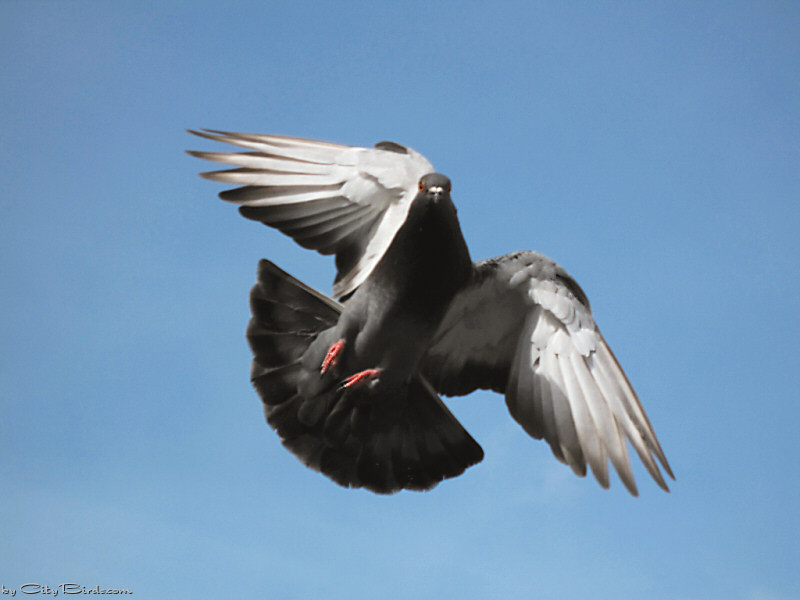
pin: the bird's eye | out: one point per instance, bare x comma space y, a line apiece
421, 186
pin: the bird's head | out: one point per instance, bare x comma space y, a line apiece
435, 186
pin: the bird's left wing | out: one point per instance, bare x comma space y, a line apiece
524, 328
335, 199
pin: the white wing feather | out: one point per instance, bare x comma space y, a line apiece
332, 198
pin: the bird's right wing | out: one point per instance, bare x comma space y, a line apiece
335, 199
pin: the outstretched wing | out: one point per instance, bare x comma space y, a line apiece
525, 328
335, 199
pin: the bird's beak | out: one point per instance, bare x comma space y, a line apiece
437, 191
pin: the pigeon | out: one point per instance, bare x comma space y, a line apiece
352, 383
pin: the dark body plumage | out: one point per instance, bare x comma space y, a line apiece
393, 432
352, 388
390, 319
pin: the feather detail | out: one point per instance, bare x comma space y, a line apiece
526, 323
365, 192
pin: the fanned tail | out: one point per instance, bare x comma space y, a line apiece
383, 439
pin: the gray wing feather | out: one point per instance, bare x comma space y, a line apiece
525, 328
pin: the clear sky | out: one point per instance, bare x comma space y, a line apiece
652, 148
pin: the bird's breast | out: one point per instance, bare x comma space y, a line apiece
405, 298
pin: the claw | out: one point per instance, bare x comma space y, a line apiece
332, 357
361, 376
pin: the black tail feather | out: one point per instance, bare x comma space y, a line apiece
385, 440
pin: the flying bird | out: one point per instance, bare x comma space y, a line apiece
351, 385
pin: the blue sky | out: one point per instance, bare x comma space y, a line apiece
652, 148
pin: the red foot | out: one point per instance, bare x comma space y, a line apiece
332, 356
361, 376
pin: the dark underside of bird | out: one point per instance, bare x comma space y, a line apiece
352, 386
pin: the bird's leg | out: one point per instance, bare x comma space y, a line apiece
332, 357
361, 377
